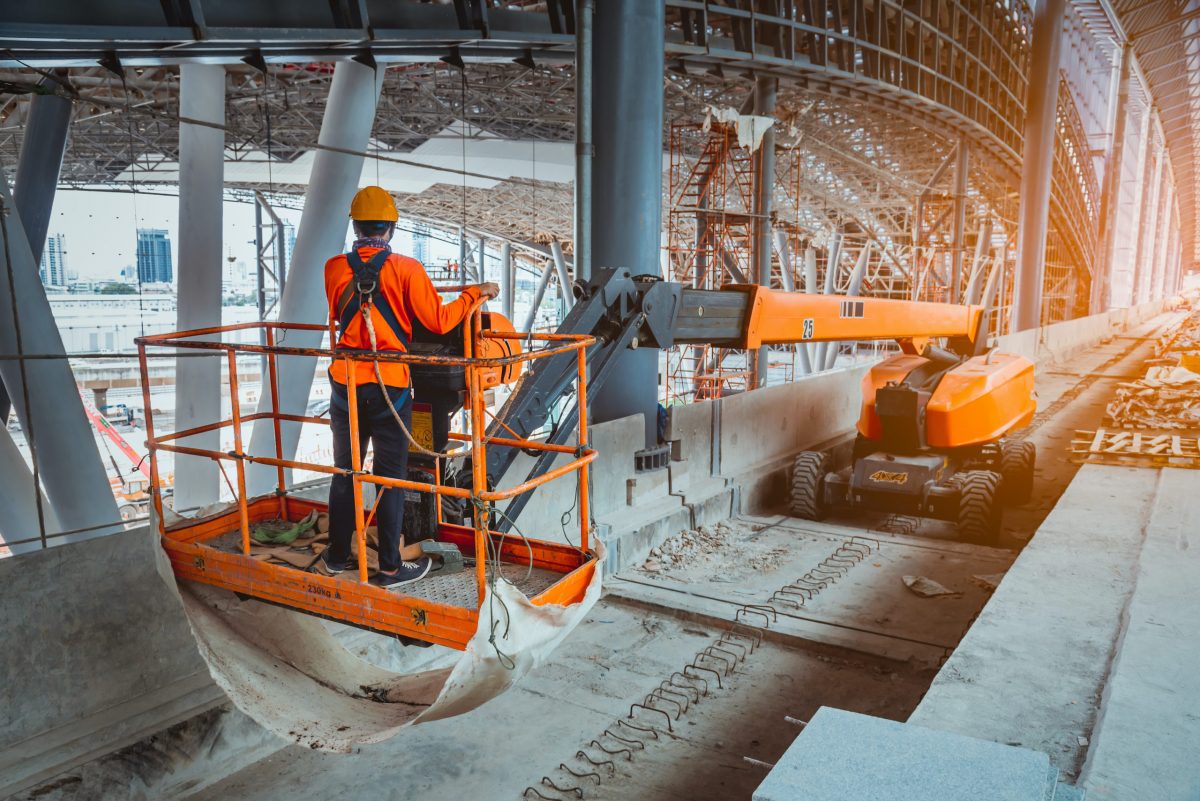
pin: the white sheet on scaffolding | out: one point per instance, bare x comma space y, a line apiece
750, 127
287, 671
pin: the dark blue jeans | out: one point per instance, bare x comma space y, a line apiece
375, 423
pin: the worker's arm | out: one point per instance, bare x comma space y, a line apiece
427, 306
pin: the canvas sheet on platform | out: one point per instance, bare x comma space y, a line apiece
287, 671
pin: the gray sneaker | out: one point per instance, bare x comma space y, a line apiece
407, 574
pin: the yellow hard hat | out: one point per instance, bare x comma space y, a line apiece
373, 203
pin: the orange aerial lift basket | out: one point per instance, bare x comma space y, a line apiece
444, 610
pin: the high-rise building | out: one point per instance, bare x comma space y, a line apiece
154, 264
53, 269
289, 238
420, 242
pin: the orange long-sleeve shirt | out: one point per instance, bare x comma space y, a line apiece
410, 293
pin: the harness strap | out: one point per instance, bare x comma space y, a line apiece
365, 284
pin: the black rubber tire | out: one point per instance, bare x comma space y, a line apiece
1017, 461
979, 509
808, 485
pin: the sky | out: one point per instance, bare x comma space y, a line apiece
100, 228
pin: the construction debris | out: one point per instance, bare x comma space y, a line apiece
927, 587
1168, 397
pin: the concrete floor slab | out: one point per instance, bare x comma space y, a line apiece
498, 750
1145, 741
841, 755
868, 609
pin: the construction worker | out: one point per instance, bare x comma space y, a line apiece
374, 296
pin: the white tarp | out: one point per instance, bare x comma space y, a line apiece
750, 127
288, 672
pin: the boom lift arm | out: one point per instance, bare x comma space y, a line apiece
643, 311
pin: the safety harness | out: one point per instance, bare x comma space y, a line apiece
364, 289
363, 295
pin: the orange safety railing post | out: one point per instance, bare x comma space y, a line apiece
236, 416
274, 386
437, 496
151, 444
478, 481
583, 478
360, 528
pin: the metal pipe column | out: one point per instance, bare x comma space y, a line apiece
764, 184
627, 116
346, 125
538, 294
1101, 298
962, 160
584, 149
564, 277
507, 280
71, 470
201, 193
1037, 162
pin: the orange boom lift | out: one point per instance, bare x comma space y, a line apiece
931, 439
933, 430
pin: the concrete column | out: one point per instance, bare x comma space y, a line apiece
38, 169
1148, 223
982, 246
1037, 163
70, 468
962, 163
17, 499
831, 270
564, 277
198, 389
538, 294
1128, 242
764, 184
852, 290
349, 115
627, 115
783, 251
1101, 298
42, 150
507, 280
1162, 236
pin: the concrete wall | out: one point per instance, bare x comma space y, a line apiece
97, 655
1057, 342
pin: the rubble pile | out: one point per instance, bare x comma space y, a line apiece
1168, 397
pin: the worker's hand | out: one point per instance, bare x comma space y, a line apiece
488, 290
